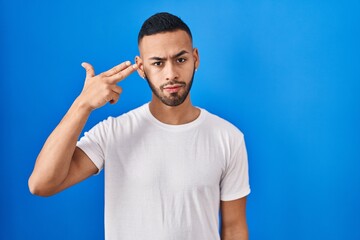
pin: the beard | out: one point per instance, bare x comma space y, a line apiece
175, 99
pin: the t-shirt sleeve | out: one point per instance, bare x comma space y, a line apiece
235, 180
93, 144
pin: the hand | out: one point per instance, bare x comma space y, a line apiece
102, 88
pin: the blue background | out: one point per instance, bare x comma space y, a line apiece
285, 72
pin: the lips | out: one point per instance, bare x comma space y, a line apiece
173, 87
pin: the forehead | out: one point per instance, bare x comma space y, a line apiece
163, 44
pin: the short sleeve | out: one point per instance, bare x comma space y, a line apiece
93, 144
235, 180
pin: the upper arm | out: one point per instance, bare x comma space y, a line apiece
81, 167
233, 217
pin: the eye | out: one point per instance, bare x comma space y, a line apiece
181, 60
157, 63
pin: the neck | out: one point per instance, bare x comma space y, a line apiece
182, 114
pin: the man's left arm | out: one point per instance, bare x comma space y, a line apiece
233, 217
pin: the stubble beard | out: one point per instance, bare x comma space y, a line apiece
175, 99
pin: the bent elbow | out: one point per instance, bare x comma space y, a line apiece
39, 189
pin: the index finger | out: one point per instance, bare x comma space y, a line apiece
123, 74
117, 69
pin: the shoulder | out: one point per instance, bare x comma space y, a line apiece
136, 114
218, 124
125, 121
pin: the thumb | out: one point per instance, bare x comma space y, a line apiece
89, 69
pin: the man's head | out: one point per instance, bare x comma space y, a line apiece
167, 58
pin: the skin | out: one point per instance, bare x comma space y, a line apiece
167, 57
168, 61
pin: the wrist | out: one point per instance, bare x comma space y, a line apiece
81, 107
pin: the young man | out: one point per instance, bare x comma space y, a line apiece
170, 167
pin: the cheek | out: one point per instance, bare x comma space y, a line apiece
155, 72
154, 77
151, 71
189, 71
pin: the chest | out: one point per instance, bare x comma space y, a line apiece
172, 162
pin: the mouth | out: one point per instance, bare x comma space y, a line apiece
173, 88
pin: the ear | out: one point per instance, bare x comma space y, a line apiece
140, 65
196, 58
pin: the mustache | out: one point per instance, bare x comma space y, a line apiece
173, 82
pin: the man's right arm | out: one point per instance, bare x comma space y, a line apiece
60, 164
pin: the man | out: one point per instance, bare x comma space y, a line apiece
170, 166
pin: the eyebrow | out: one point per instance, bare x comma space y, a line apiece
175, 56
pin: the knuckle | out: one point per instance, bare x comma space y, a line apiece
112, 71
129, 70
120, 75
101, 75
104, 79
110, 81
116, 69
107, 89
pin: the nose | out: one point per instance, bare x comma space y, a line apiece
171, 72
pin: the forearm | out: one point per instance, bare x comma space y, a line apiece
240, 235
237, 230
53, 162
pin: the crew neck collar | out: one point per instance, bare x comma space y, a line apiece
170, 127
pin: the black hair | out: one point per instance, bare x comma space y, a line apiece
162, 22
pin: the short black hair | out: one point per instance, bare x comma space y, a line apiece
162, 22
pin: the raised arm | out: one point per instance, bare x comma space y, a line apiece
60, 164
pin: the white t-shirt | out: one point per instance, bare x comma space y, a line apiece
165, 182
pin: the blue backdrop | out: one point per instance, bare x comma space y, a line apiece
285, 72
